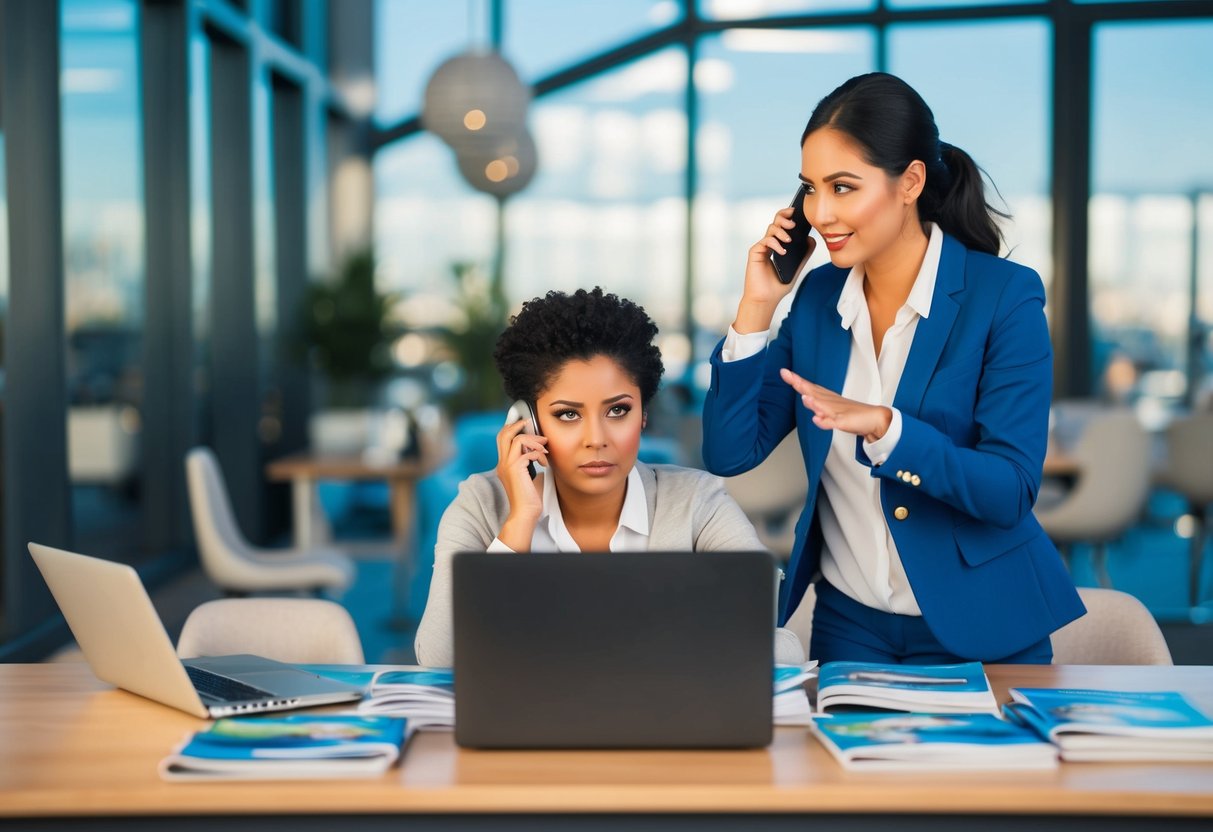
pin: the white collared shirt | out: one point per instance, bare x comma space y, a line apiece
859, 555
552, 535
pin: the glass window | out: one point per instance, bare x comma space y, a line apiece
411, 40
606, 207
989, 85
1151, 203
542, 36
104, 271
749, 146
754, 9
200, 227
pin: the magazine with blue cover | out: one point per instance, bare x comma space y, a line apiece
916, 741
791, 704
934, 688
288, 747
1115, 725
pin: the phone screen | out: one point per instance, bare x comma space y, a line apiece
787, 266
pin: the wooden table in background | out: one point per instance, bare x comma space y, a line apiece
73, 749
304, 470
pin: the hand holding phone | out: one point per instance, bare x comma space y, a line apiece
788, 265
521, 409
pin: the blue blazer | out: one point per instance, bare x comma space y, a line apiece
974, 399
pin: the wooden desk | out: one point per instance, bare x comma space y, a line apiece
73, 749
304, 470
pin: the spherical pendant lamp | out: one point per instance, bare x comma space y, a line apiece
502, 169
474, 100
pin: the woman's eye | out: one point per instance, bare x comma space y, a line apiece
842, 188
567, 415
808, 189
619, 410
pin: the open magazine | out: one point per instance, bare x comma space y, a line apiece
426, 697
791, 704
909, 741
1115, 725
936, 688
287, 747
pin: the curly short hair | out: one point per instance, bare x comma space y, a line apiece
557, 328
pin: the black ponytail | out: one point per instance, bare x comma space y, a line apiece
894, 127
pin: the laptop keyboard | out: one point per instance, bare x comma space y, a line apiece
223, 688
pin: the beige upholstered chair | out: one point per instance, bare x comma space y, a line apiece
1189, 471
1114, 454
1117, 629
235, 565
801, 622
295, 630
772, 495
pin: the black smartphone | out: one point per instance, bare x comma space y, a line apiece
787, 266
522, 409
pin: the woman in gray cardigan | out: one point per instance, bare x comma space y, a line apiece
586, 365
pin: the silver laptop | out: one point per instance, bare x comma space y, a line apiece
125, 643
614, 649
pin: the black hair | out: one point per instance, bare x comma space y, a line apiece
893, 126
557, 328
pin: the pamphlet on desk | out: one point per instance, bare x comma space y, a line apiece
791, 704
425, 696
287, 748
1115, 725
918, 742
937, 688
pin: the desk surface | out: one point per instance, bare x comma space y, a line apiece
345, 467
72, 746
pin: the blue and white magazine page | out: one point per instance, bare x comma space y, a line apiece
1116, 725
791, 704
288, 747
913, 741
936, 688
426, 696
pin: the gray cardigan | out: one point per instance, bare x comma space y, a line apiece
689, 510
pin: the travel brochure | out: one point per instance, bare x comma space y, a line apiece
909, 741
939, 688
287, 747
1115, 725
426, 696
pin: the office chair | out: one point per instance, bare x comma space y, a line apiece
773, 494
1189, 471
294, 630
1117, 629
238, 567
1111, 491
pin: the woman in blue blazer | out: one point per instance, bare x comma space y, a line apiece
916, 370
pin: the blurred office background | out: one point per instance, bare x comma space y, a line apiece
187, 186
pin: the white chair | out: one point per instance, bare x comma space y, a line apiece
1113, 483
294, 630
236, 566
773, 494
1117, 629
1189, 471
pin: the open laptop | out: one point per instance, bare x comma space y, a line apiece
125, 643
614, 650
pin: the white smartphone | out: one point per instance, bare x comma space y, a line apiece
522, 409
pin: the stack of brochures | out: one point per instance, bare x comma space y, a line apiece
287, 748
891, 742
1115, 725
791, 704
936, 688
426, 697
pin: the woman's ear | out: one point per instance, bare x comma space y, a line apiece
913, 180
644, 419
